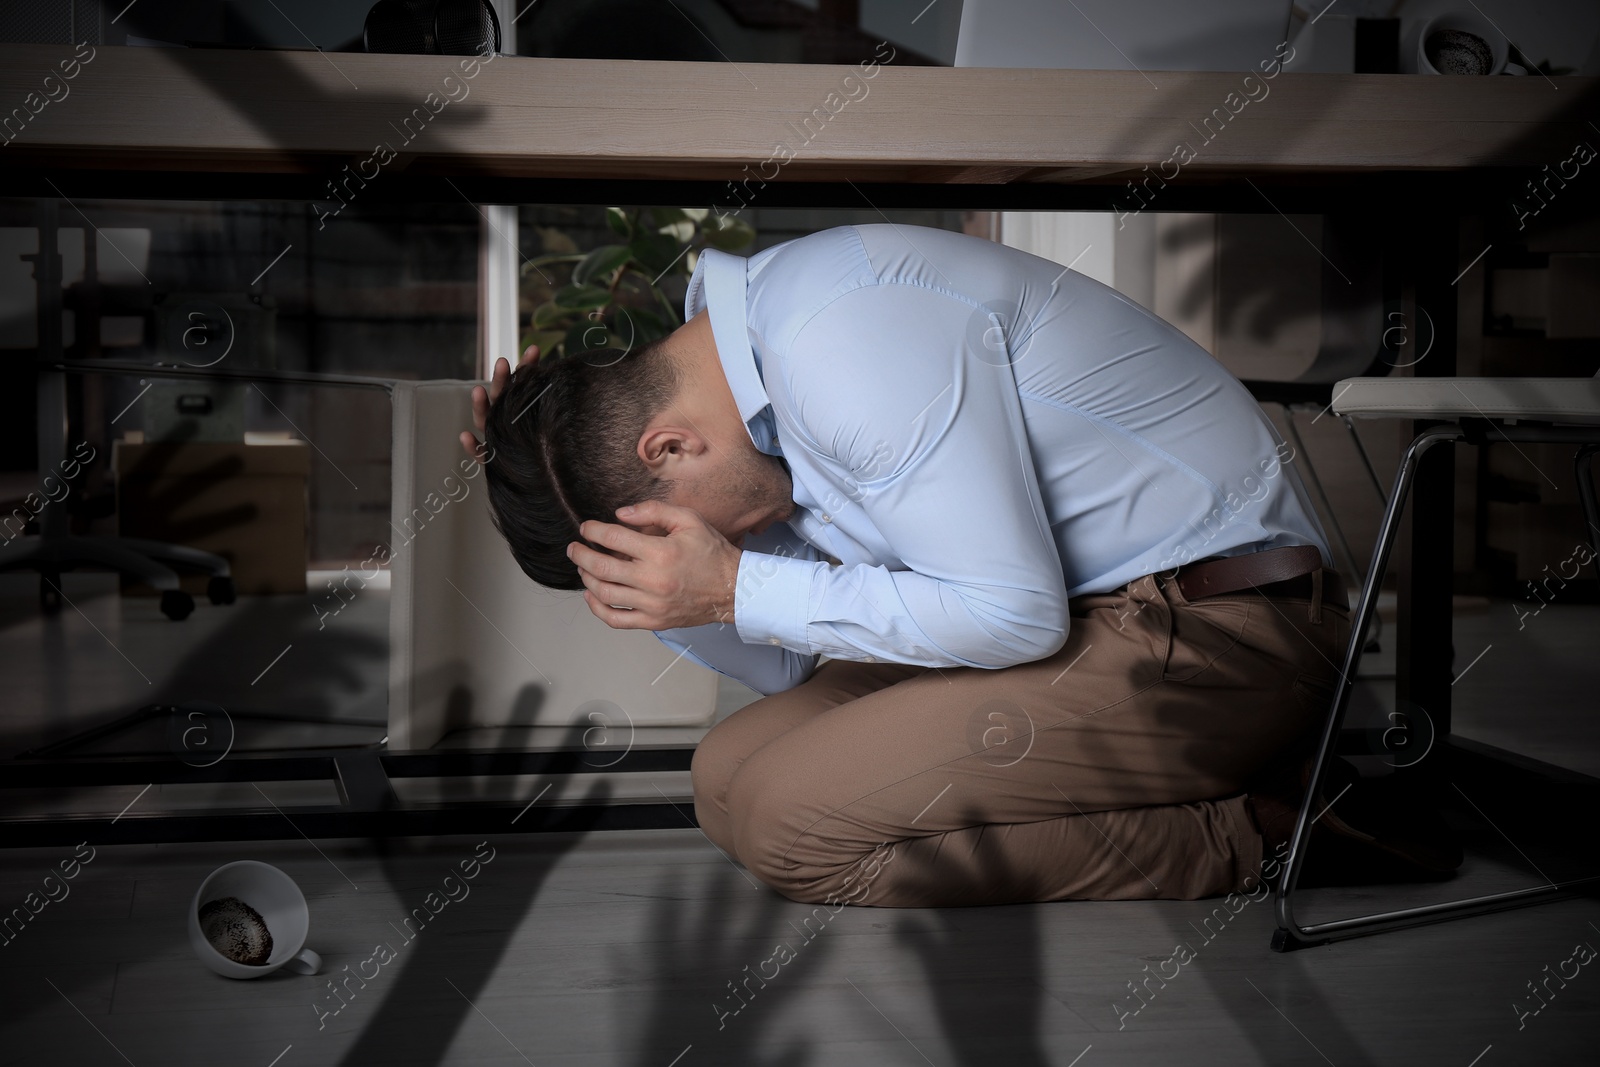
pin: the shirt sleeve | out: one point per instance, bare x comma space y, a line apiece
767, 667
889, 386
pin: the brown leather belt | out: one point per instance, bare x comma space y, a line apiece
1276, 572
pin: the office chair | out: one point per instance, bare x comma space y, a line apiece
54, 548
1477, 411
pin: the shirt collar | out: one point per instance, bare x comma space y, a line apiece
719, 282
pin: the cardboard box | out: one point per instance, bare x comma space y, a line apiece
245, 502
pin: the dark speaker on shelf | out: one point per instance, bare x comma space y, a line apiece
431, 27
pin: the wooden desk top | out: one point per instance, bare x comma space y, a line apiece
257, 112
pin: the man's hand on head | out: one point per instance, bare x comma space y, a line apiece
684, 576
482, 398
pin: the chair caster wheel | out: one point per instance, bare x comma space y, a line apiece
220, 590
176, 604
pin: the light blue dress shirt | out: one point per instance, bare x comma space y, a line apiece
976, 434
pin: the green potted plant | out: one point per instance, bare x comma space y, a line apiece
612, 296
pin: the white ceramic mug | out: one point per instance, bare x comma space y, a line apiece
282, 908
1466, 22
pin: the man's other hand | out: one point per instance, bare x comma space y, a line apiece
481, 399
682, 577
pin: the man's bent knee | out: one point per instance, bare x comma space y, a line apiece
770, 815
710, 769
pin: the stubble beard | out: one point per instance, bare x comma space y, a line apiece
768, 478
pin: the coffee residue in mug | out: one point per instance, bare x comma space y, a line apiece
236, 930
1458, 52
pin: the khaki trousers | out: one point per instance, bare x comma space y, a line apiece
1112, 770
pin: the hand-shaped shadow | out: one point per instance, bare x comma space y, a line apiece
147, 496
421, 1014
706, 970
299, 110
998, 947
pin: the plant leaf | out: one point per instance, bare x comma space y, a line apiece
547, 340
582, 297
617, 219
666, 216
552, 257
601, 263
549, 315
681, 231
730, 236
585, 334
649, 324
657, 251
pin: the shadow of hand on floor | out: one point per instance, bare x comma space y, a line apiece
718, 976
447, 966
724, 970
955, 959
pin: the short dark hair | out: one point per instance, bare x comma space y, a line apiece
562, 446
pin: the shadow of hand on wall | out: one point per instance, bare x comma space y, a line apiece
150, 493
326, 676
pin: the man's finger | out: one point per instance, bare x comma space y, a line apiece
609, 593
599, 564
472, 445
480, 407
652, 531
630, 542
498, 380
669, 517
613, 617
530, 354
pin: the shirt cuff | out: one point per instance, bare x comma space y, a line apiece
772, 600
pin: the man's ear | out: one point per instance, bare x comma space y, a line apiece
665, 448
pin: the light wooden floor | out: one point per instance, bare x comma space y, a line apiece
615, 948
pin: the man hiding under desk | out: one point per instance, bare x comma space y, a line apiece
1079, 625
